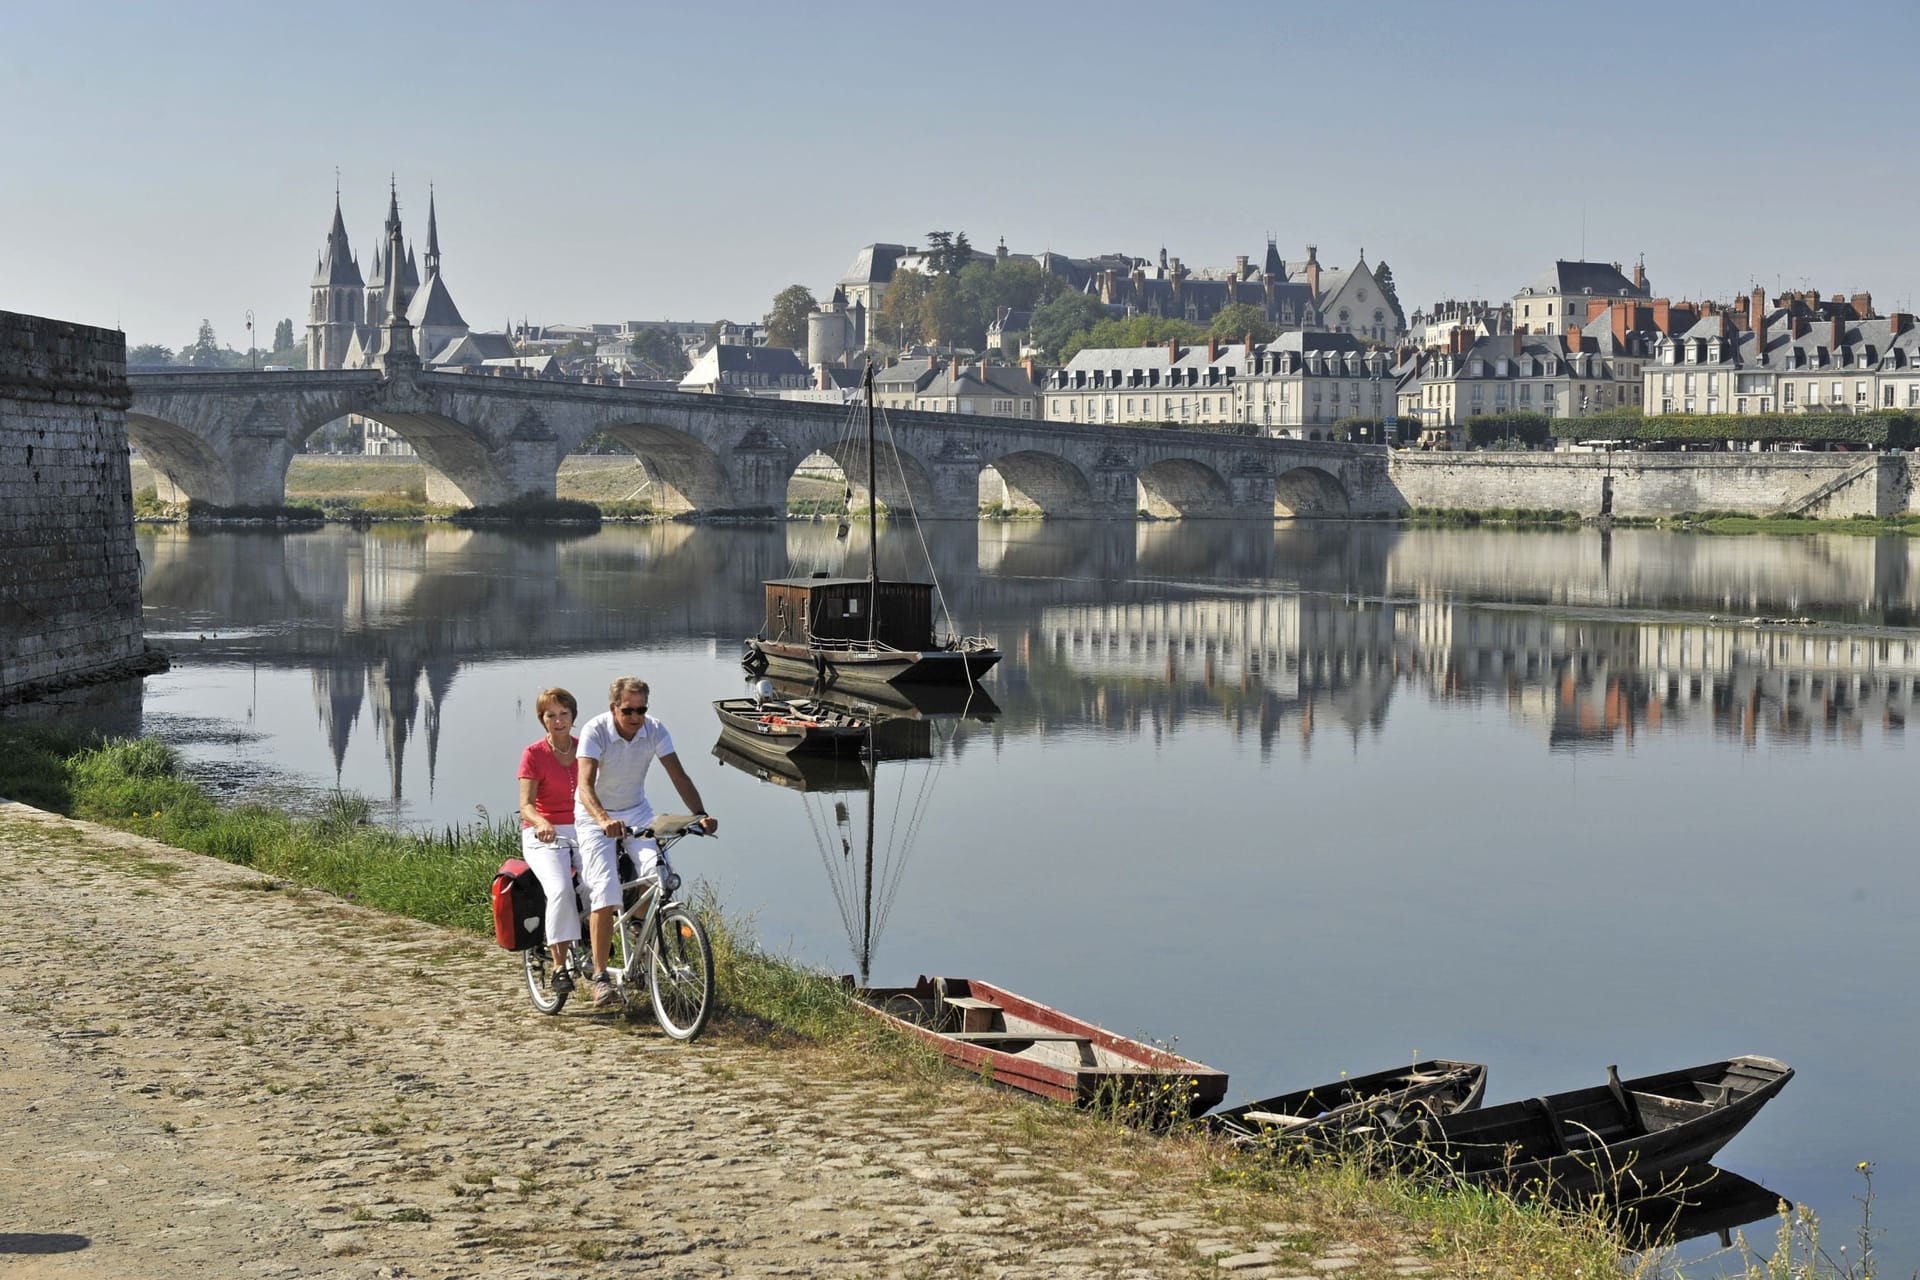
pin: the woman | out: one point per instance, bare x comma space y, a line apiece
547, 839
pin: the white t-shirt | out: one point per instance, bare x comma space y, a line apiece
621, 781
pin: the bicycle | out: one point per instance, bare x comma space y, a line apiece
656, 939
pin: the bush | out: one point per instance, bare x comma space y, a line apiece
1870, 430
1526, 428
291, 513
529, 509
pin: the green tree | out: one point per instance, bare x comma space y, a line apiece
150, 353
787, 322
661, 350
207, 353
900, 313
1058, 322
1384, 274
283, 335
1240, 319
947, 314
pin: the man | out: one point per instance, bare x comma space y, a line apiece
616, 749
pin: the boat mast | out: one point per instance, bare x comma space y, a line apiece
866, 905
873, 521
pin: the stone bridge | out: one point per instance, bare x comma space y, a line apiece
227, 438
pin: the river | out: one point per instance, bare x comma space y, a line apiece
1303, 800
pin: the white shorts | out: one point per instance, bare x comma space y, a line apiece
553, 862
599, 855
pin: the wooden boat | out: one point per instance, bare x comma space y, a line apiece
862, 631
1028, 1046
899, 702
1377, 1104
1621, 1137
794, 726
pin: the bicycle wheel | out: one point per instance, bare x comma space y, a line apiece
680, 974
540, 988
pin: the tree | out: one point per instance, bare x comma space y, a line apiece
150, 353
661, 350
1059, 321
1241, 319
205, 353
900, 313
787, 322
1384, 274
946, 316
283, 335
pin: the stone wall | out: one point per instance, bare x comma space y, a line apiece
1657, 484
69, 573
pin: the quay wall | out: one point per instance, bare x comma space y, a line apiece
69, 572
1827, 485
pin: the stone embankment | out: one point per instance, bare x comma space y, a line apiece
204, 1073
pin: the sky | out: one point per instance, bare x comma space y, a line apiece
170, 163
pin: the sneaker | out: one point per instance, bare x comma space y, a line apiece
562, 982
603, 992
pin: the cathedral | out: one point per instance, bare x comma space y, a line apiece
349, 320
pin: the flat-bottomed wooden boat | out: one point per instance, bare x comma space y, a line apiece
1622, 1137
793, 726
1029, 1046
1355, 1106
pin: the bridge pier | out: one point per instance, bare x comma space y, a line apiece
257, 469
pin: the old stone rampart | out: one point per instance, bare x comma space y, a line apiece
69, 572
1827, 485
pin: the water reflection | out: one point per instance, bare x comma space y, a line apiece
843, 797
1116, 627
1712, 1207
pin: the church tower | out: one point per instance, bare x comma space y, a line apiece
396, 342
336, 310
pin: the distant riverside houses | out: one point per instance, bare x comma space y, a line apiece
1301, 295
1797, 355
1595, 368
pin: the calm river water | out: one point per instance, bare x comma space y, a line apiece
1306, 800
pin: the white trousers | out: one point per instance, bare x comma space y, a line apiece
553, 862
599, 855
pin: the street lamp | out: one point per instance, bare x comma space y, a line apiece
253, 349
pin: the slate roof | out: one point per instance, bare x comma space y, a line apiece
1600, 279
874, 264
433, 305
336, 265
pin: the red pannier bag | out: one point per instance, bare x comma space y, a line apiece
519, 907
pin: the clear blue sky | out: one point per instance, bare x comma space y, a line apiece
166, 163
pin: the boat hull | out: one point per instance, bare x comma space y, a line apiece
1355, 1107
853, 668
791, 728
1644, 1136
1024, 1045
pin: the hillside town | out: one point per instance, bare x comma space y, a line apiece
1287, 347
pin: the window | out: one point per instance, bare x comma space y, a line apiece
1666, 383
1666, 406
1766, 404
1839, 392
1860, 393
1740, 405
1886, 397
1713, 404
1690, 387
1913, 396
1713, 383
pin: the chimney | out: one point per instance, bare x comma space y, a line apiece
1313, 274
1898, 323
1757, 321
1862, 306
1640, 275
1173, 351
1663, 316
1249, 344
953, 369
822, 381
1623, 317
1798, 326
1838, 334
1213, 348
1594, 307
983, 369
1027, 364
1240, 266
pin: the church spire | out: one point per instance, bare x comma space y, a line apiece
398, 348
433, 234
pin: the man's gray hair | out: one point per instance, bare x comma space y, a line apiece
624, 686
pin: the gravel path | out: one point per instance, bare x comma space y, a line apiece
205, 1074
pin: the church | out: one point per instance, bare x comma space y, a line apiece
347, 315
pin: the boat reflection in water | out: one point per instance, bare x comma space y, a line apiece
904, 726
1714, 1203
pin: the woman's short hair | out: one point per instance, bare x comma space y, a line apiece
550, 696
624, 686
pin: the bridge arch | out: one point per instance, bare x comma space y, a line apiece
1309, 491
1030, 480
891, 468
464, 469
183, 457
1178, 488
683, 473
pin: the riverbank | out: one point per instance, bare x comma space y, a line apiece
254, 1070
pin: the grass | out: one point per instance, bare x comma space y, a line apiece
443, 877
1520, 517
